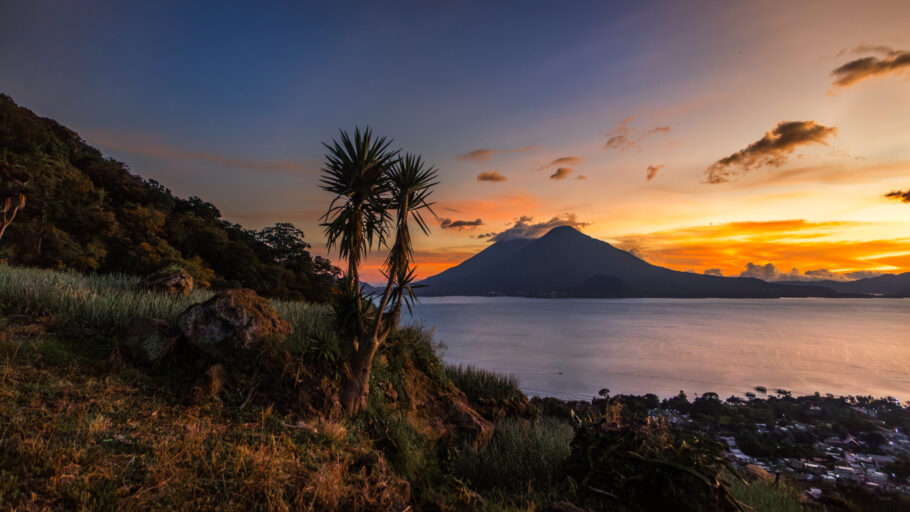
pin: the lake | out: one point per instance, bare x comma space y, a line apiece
571, 348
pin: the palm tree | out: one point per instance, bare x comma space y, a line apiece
356, 171
370, 186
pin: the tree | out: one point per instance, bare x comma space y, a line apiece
9, 211
374, 192
285, 242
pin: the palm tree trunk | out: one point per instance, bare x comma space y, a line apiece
356, 389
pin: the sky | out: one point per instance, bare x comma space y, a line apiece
714, 137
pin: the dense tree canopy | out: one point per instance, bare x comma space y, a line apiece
89, 213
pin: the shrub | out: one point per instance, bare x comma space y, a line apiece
647, 467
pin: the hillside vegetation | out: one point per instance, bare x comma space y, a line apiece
88, 213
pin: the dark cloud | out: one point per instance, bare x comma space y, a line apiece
561, 173
894, 61
863, 274
491, 176
484, 155
459, 225
653, 170
773, 149
714, 272
900, 195
768, 272
622, 137
524, 229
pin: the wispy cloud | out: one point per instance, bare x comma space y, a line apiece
491, 176
893, 61
772, 150
524, 228
652, 171
900, 195
624, 137
459, 225
581, 177
561, 173
485, 155
156, 150
564, 160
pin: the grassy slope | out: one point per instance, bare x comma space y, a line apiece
80, 429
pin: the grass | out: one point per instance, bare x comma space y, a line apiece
112, 302
522, 456
480, 383
73, 442
767, 497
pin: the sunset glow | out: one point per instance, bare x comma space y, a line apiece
747, 133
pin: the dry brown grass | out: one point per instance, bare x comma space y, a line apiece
74, 442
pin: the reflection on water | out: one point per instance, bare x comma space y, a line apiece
571, 348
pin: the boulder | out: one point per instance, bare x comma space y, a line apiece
755, 473
179, 282
149, 340
230, 322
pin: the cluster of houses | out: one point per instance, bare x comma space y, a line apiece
839, 461
844, 461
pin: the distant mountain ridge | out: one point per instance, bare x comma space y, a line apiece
888, 285
567, 263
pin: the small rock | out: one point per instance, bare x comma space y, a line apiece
467, 424
149, 341
179, 282
229, 322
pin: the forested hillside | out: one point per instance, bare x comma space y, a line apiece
89, 213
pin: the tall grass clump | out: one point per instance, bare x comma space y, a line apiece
112, 302
479, 383
521, 456
101, 301
767, 497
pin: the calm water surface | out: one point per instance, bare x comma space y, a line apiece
571, 348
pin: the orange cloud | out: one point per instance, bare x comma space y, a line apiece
491, 176
622, 136
773, 149
484, 155
653, 170
561, 173
857, 70
565, 160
